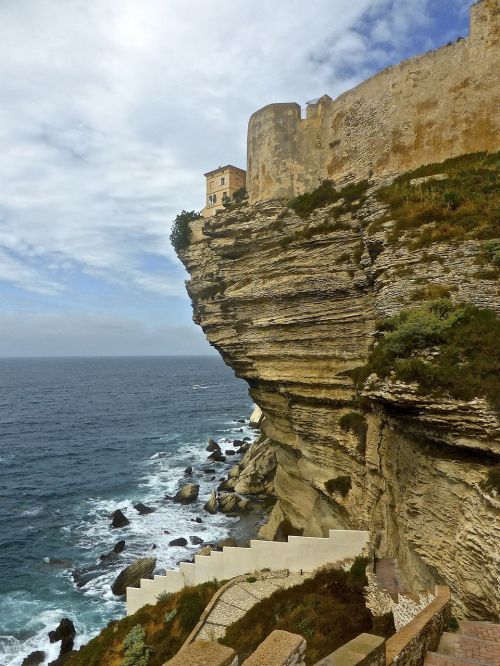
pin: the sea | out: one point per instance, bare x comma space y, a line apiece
80, 438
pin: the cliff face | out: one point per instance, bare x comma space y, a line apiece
292, 313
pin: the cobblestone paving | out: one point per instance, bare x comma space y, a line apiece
241, 597
475, 644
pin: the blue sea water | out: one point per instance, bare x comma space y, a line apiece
80, 438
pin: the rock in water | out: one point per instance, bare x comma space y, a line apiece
119, 547
188, 471
216, 456
119, 519
143, 509
195, 540
211, 504
34, 659
187, 493
212, 446
228, 502
131, 575
231, 543
65, 633
181, 541
206, 550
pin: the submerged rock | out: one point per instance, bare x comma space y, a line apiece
119, 519
188, 471
187, 493
211, 504
131, 575
181, 541
195, 540
143, 510
118, 548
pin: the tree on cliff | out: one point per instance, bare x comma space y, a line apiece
180, 234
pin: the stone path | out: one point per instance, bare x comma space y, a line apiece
389, 576
475, 644
240, 597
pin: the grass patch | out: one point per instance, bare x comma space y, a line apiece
431, 292
149, 627
464, 206
342, 485
326, 194
466, 337
328, 610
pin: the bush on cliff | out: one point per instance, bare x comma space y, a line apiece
326, 194
180, 234
328, 610
445, 348
124, 639
463, 206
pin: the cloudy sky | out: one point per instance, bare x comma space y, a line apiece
111, 111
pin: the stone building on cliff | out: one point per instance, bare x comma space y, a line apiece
221, 184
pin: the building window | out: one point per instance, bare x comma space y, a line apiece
212, 199
223, 180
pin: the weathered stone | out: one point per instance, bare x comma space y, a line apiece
216, 457
181, 541
228, 502
211, 504
195, 540
212, 446
34, 659
143, 510
131, 575
187, 493
119, 519
256, 417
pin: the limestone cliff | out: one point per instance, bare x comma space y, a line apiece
293, 306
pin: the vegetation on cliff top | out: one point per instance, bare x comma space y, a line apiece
327, 610
445, 348
326, 194
150, 636
180, 234
465, 205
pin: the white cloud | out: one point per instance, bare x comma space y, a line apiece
111, 110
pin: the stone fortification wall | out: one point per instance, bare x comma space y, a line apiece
425, 109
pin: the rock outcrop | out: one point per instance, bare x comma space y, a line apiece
131, 575
293, 313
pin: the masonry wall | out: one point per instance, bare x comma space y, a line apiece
426, 109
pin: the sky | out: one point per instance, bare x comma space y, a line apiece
110, 113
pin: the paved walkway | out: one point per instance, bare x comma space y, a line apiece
475, 644
239, 597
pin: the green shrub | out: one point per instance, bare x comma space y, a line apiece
326, 194
464, 206
466, 337
166, 640
328, 609
164, 596
431, 292
355, 423
342, 485
251, 579
180, 234
240, 194
136, 652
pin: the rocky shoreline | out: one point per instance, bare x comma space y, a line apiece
244, 490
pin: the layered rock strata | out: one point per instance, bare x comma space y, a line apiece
292, 313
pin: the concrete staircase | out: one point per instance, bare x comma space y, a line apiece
297, 554
475, 644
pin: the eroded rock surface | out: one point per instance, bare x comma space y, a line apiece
293, 313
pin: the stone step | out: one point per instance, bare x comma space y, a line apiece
487, 631
437, 659
460, 645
